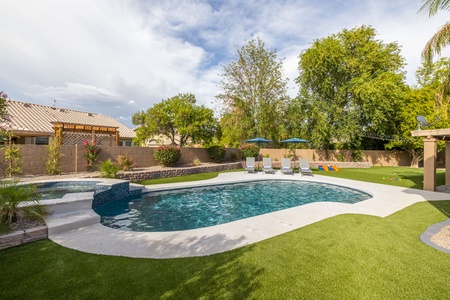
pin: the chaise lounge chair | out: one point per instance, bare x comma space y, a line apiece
286, 167
304, 167
267, 165
249, 164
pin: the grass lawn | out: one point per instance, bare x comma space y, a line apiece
398, 176
343, 257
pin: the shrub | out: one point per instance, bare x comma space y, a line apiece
249, 150
233, 156
196, 162
109, 169
91, 154
11, 195
340, 157
216, 153
125, 162
13, 160
167, 156
53, 163
357, 155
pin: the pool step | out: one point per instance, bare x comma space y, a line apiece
58, 223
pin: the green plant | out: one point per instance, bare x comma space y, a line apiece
109, 169
167, 156
216, 153
12, 195
12, 159
196, 162
340, 157
125, 162
249, 150
357, 155
92, 153
233, 157
53, 163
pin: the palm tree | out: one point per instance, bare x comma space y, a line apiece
442, 37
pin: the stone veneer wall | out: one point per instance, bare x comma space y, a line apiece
173, 172
23, 237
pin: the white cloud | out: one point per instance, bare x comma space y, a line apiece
111, 57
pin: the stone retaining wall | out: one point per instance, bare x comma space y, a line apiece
177, 171
23, 237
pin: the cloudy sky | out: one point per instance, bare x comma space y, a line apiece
116, 57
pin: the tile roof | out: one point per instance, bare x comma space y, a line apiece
37, 118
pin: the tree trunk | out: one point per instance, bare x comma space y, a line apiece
416, 157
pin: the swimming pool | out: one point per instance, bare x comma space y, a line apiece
213, 205
57, 189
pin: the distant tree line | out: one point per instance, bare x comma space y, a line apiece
352, 95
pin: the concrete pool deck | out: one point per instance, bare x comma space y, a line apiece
100, 239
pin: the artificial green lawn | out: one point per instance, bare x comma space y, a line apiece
343, 257
398, 176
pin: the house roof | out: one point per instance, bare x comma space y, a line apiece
36, 118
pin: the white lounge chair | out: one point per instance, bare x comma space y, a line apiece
304, 167
249, 164
286, 167
267, 165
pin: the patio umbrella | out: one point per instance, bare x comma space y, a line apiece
258, 141
294, 141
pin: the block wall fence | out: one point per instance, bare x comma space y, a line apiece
34, 157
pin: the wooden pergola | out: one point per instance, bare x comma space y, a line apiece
60, 128
430, 153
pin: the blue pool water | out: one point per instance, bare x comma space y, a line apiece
208, 206
56, 190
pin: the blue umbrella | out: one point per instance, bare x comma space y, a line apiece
294, 141
258, 140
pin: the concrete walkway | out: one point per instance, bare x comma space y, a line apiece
206, 241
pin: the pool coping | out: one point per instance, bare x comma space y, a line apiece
100, 239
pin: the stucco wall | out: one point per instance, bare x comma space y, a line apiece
35, 156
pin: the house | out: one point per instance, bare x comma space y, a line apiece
38, 124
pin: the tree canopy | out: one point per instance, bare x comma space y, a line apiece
351, 86
254, 94
178, 119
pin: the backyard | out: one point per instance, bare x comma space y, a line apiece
343, 257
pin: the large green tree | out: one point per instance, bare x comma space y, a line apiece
351, 86
441, 38
179, 119
426, 99
254, 94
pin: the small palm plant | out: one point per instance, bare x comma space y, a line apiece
12, 202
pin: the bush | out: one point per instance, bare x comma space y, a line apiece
233, 157
125, 162
109, 169
249, 150
217, 153
12, 195
53, 163
167, 156
92, 153
196, 162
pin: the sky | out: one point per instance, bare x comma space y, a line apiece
118, 57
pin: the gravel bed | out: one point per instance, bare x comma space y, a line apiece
442, 238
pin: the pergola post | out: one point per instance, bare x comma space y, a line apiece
429, 164
447, 162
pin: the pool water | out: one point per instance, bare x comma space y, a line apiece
213, 205
56, 190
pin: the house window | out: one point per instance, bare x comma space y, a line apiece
41, 140
125, 143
